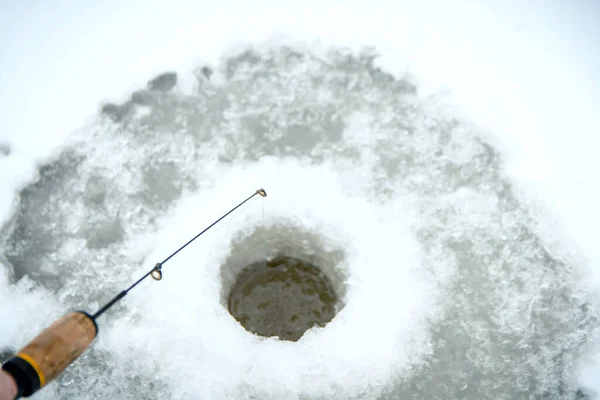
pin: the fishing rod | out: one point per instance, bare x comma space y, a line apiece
53, 350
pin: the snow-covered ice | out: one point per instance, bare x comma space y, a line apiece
451, 180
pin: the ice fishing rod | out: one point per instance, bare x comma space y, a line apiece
53, 350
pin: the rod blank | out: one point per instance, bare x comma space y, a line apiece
156, 272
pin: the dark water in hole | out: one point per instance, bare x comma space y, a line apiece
282, 297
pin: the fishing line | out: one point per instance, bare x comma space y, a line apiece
156, 272
230, 220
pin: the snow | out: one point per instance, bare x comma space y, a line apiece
324, 358
525, 73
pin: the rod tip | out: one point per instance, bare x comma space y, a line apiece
262, 192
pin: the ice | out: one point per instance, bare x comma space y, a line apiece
25, 308
523, 193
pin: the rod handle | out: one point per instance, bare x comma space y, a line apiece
53, 350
